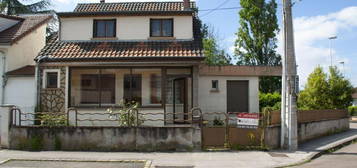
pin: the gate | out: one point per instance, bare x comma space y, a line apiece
215, 132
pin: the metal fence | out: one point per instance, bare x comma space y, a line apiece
130, 118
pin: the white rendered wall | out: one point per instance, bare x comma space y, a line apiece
217, 101
128, 27
24, 51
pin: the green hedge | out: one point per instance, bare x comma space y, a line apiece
272, 100
352, 110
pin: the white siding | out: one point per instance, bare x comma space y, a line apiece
128, 27
354, 102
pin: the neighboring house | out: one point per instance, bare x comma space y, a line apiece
21, 39
148, 52
354, 97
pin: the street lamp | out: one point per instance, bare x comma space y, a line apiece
343, 67
330, 40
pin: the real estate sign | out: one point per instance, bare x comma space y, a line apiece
248, 120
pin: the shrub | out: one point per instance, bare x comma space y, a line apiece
352, 110
53, 119
269, 100
127, 115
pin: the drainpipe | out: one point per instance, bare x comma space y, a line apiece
38, 79
3, 78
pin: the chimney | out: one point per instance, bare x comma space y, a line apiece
186, 4
102, 1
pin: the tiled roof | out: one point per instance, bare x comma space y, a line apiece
72, 51
131, 6
28, 70
16, 32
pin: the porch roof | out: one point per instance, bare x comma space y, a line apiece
233, 70
119, 50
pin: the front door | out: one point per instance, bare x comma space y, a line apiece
180, 100
237, 96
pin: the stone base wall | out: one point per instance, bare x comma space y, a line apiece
53, 99
106, 138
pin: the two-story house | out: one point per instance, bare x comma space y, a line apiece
148, 52
21, 39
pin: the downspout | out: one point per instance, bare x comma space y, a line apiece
3, 77
38, 80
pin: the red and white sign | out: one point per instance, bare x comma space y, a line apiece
248, 119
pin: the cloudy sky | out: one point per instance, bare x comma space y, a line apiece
314, 22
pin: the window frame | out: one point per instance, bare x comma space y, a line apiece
45, 80
216, 82
95, 31
161, 26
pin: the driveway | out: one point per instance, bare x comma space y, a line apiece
345, 157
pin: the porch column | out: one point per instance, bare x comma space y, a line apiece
195, 86
5, 125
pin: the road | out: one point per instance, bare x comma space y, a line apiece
343, 158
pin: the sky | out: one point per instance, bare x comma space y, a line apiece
314, 22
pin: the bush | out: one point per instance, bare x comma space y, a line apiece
352, 110
53, 119
272, 100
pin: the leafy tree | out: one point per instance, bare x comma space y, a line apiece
340, 89
334, 92
213, 52
13, 7
256, 43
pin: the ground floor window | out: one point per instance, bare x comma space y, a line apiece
108, 86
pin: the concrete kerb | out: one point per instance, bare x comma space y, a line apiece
146, 165
321, 151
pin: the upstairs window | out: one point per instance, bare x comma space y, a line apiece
161, 28
104, 28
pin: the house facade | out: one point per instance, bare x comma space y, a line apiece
21, 39
147, 52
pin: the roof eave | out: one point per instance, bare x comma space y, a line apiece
77, 14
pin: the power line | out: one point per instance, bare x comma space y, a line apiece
212, 10
216, 9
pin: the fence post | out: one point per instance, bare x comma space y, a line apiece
20, 115
6, 122
75, 117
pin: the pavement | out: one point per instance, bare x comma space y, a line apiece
345, 157
201, 159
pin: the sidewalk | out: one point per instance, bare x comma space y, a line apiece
201, 159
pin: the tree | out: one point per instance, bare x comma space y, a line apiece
340, 89
13, 7
315, 95
334, 92
256, 39
213, 52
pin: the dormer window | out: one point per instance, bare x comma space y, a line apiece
161, 27
104, 28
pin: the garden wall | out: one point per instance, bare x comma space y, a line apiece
106, 138
307, 130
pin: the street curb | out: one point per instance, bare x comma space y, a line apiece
147, 163
322, 151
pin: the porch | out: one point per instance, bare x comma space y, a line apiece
164, 94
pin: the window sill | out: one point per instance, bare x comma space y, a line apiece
161, 38
214, 90
104, 38
51, 88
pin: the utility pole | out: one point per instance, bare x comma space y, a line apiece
289, 83
330, 42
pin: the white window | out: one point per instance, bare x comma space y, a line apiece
51, 78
